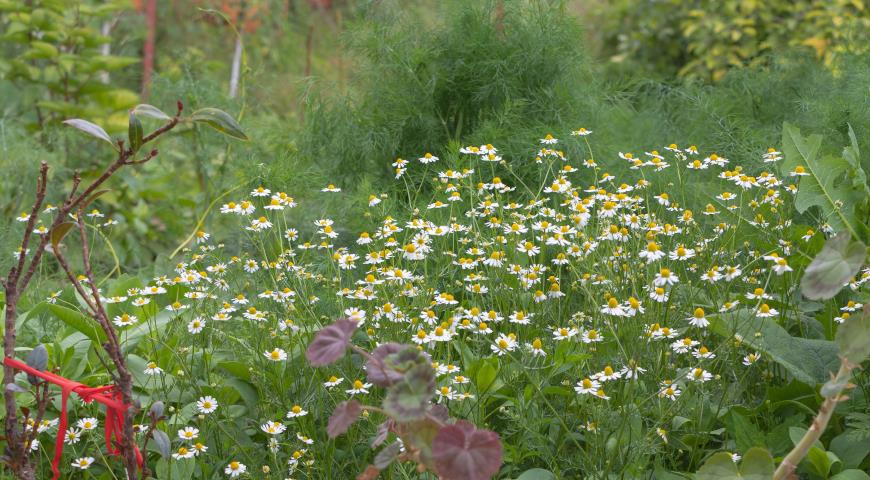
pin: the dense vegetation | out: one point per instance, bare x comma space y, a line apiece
538, 239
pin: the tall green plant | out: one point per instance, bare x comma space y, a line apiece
57, 49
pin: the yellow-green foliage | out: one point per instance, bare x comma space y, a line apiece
54, 47
704, 38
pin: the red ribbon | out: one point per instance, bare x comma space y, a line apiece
107, 395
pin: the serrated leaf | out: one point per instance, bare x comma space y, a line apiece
330, 343
464, 452
91, 129
59, 232
220, 121
808, 360
386, 456
161, 440
344, 415
839, 261
145, 110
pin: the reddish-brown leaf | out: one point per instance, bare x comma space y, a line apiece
463, 452
330, 343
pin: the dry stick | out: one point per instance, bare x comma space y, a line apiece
790, 463
16, 456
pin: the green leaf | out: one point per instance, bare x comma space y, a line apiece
537, 474
718, 467
757, 464
745, 433
851, 447
852, 155
851, 474
853, 337
833, 267
59, 232
825, 184
220, 121
485, 377
808, 360
135, 132
145, 110
91, 129
80, 322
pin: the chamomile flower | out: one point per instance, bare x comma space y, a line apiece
234, 469
83, 463
359, 388
206, 405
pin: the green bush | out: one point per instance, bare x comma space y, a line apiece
705, 38
52, 52
470, 71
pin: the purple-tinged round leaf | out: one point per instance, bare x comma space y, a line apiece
462, 452
383, 431
343, 417
377, 372
408, 400
330, 343
386, 456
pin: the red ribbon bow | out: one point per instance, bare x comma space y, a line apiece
107, 395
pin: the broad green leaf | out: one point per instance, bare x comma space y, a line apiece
853, 337
851, 474
757, 464
220, 121
719, 466
833, 267
537, 474
745, 433
91, 129
145, 110
852, 447
80, 322
808, 360
824, 186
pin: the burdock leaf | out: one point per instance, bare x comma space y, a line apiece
834, 266
343, 417
330, 343
853, 338
461, 451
